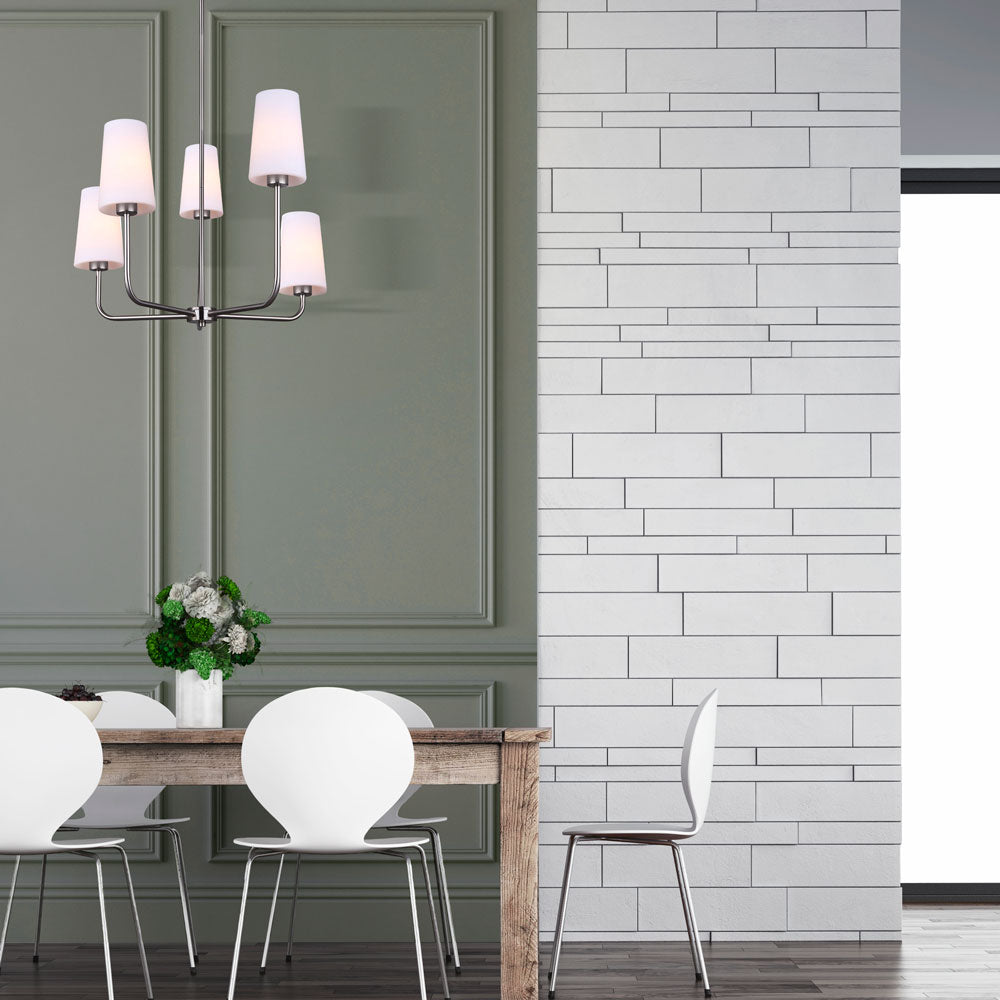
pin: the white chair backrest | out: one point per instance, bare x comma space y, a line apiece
51, 761
409, 711
415, 718
116, 806
698, 758
326, 763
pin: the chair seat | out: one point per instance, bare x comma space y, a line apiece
287, 846
58, 846
639, 832
122, 823
401, 822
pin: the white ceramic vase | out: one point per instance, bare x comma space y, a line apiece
199, 702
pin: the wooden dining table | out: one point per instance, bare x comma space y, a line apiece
506, 757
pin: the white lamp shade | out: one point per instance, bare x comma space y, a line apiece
276, 142
126, 167
302, 253
189, 183
98, 236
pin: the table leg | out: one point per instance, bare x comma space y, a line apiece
519, 871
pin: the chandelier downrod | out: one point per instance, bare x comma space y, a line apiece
126, 191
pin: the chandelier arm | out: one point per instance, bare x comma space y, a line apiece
272, 319
121, 319
254, 306
175, 310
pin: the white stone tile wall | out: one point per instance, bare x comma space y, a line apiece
718, 201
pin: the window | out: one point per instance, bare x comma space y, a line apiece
951, 531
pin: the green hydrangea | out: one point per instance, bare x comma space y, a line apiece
173, 609
162, 596
173, 644
245, 659
228, 587
153, 648
203, 661
198, 629
223, 660
251, 618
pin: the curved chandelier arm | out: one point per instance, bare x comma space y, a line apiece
146, 317
274, 319
175, 310
235, 311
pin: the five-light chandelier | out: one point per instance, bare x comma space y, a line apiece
277, 160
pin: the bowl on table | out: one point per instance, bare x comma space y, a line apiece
89, 708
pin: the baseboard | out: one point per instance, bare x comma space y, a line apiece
952, 892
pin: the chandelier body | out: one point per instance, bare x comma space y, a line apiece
277, 161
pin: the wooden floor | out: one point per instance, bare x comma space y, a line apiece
947, 953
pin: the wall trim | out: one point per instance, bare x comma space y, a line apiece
216, 891
484, 614
415, 654
154, 487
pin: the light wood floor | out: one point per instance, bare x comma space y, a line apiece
947, 953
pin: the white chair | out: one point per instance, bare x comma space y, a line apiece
123, 807
326, 763
415, 718
52, 760
696, 778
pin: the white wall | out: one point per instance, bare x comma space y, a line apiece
718, 453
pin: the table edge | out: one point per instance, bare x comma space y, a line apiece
235, 736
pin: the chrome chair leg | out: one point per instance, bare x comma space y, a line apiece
104, 918
182, 887
434, 921
135, 920
561, 922
41, 894
686, 891
291, 915
239, 924
445, 898
251, 858
416, 929
10, 903
687, 918
270, 916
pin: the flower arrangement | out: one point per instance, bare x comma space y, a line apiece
206, 626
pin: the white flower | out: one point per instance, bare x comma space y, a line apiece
239, 638
223, 613
200, 579
203, 602
179, 592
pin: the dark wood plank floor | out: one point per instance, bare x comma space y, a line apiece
947, 953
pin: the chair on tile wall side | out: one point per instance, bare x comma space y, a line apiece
697, 760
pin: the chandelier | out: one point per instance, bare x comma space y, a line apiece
277, 160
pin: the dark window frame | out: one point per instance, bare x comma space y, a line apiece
950, 180
951, 892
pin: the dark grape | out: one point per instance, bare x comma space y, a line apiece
79, 692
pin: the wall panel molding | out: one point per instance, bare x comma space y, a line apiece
154, 487
484, 612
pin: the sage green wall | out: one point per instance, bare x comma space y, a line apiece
367, 474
